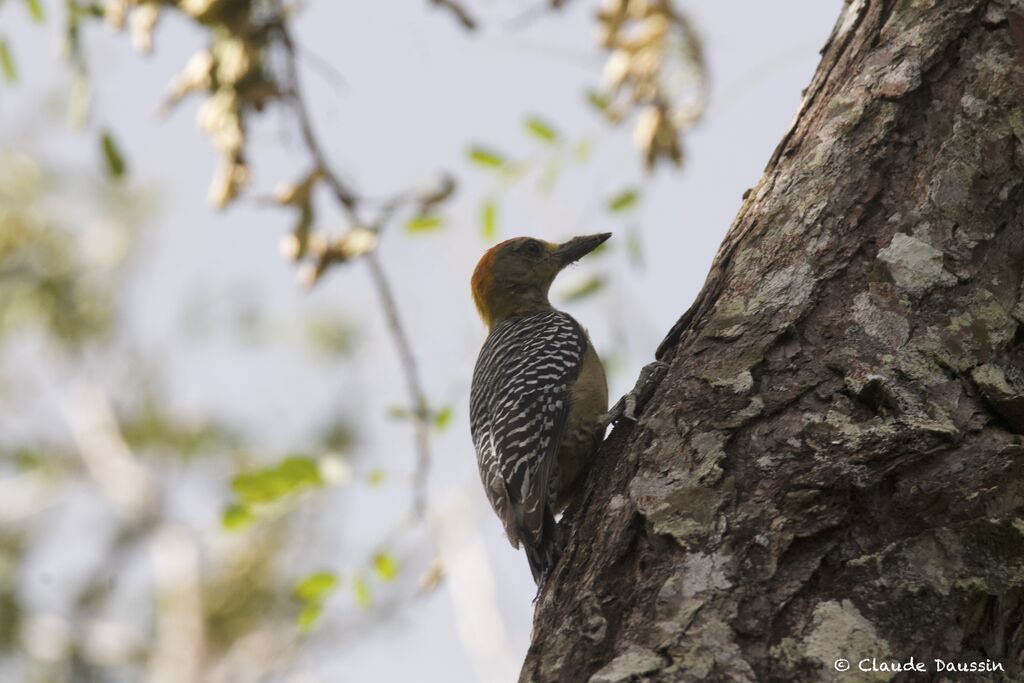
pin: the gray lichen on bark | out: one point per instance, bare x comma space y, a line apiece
833, 464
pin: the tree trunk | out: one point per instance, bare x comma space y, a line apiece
832, 466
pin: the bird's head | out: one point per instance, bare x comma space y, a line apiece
513, 277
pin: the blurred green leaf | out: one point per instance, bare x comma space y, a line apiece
385, 566
376, 477
443, 418
255, 488
292, 475
337, 436
150, 428
330, 335
27, 458
597, 100
7, 62
299, 471
541, 130
489, 220
312, 591
399, 412
623, 201
236, 600
237, 517
423, 223
588, 287
513, 172
361, 592
582, 150
114, 160
79, 100
549, 176
308, 617
315, 587
35, 9
634, 247
486, 157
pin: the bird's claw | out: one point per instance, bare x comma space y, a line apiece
627, 405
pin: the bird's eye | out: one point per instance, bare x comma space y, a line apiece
533, 248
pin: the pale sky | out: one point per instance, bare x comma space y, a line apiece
416, 91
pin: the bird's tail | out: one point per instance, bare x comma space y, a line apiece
543, 555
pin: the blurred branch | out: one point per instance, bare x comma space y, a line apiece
327, 71
107, 457
460, 13
179, 651
346, 197
421, 417
348, 202
124, 482
471, 583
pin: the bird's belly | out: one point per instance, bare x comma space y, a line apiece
588, 402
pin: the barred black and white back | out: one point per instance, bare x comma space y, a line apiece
519, 405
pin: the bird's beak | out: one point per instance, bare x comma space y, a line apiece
578, 247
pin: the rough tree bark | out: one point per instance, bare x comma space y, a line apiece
833, 465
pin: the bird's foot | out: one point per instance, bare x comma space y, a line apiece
628, 405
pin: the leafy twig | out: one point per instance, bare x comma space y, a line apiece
348, 201
420, 412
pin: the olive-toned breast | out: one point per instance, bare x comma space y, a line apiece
588, 402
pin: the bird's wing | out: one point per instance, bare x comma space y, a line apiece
519, 410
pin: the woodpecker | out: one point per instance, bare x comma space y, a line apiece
539, 393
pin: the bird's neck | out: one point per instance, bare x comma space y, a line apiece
498, 309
